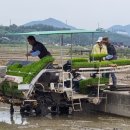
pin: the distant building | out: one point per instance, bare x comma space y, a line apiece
101, 29
122, 32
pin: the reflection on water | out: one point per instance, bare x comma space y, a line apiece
78, 121
6, 117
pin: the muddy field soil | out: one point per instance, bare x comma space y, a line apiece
77, 121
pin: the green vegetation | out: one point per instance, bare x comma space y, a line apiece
83, 64
121, 62
94, 57
17, 39
28, 72
85, 85
10, 89
79, 60
77, 65
78, 39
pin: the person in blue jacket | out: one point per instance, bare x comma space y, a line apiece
38, 49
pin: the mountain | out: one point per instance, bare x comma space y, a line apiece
50, 22
120, 29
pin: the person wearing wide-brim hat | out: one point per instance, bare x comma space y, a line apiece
99, 47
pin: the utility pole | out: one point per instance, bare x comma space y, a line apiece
10, 22
66, 21
98, 25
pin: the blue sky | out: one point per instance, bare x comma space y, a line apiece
86, 14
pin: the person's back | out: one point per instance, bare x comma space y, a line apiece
43, 51
111, 56
111, 51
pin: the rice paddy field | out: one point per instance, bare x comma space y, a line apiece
18, 51
79, 121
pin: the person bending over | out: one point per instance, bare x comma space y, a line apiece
38, 49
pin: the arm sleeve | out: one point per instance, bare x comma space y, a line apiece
112, 50
109, 57
35, 53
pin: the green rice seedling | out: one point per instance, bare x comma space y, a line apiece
97, 64
120, 62
79, 60
77, 65
105, 63
15, 66
10, 89
93, 81
86, 84
28, 72
94, 57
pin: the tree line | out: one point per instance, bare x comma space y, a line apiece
80, 39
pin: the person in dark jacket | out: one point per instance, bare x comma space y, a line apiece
112, 55
38, 49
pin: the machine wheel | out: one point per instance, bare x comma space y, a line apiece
22, 109
26, 108
38, 111
42, 109
54, 110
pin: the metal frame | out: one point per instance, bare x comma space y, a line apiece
71, 32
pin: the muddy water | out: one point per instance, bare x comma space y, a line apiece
87, 121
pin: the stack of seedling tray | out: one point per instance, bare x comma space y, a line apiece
82, 63
27, 72
95, 66
88, 85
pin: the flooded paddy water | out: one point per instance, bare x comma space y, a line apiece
77, 121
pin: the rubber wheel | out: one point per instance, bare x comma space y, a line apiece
54, 110
44, 109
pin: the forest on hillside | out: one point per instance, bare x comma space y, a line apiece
80, 39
